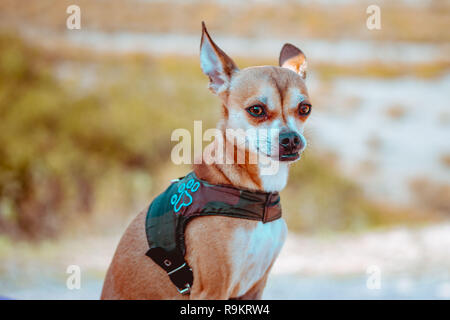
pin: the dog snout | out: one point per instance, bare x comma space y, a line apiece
291, 142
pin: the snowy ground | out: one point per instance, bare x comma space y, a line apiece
411, 264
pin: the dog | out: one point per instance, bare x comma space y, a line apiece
230, 258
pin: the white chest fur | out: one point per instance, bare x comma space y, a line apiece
254, 251
277, 180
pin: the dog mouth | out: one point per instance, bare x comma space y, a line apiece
289, 156
284, 157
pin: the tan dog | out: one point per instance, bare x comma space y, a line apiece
230, 258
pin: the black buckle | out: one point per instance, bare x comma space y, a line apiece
182, 278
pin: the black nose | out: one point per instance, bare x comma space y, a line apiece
291, 142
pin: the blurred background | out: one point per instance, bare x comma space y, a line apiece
86, 117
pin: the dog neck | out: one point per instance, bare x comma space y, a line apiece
242, 175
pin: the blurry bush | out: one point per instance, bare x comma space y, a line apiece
66, 153
60, 150
431, 194
44, 157
320, 199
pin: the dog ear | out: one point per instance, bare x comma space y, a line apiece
293, 58
215, 63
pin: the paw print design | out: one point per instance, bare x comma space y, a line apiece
184, 197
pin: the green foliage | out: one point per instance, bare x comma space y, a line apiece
61, 148
320, 199
38, 153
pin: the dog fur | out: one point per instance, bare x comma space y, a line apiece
230, 258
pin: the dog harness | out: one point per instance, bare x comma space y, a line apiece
190, 197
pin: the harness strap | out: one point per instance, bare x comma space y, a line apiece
176, 267
190, 197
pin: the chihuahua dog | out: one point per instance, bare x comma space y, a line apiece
230, 258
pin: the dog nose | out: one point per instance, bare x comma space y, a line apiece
291, 141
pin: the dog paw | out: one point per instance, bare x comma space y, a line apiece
184, 198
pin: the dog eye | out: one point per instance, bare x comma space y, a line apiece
256, 111
304, 109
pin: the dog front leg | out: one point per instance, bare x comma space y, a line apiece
208, 295
210, 257
210, 288
212, 277
255, 292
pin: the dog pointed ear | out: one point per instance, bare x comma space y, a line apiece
215, 63
293, 58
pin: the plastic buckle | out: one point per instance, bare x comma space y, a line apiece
187, 287
186, 290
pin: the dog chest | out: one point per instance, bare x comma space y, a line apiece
255, 250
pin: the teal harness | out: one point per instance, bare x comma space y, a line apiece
190, 197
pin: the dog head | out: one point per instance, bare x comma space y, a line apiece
261, 99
